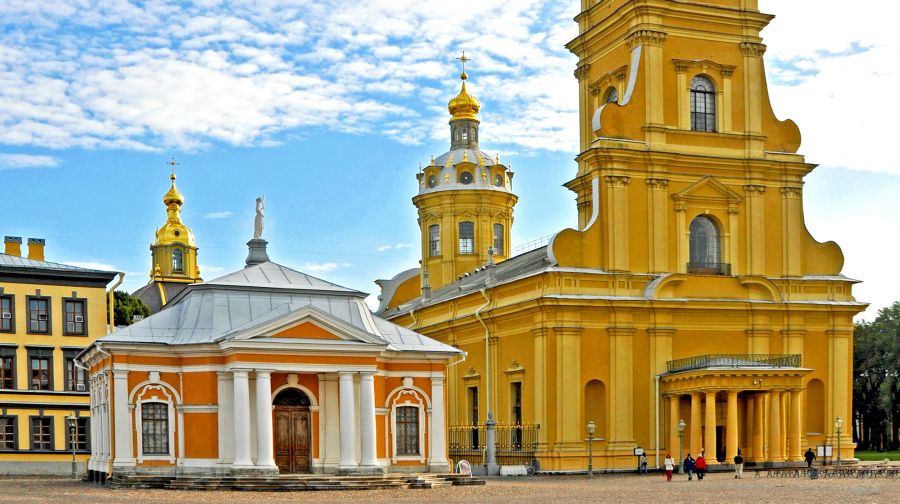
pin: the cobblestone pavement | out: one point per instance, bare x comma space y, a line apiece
719, 488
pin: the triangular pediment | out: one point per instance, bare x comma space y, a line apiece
708, 189
306, 325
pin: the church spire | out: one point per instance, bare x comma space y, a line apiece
174, 251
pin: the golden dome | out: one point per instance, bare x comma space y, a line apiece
173, 196
464, 105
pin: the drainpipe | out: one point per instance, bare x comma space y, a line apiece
657, 422
111, 300
491, 455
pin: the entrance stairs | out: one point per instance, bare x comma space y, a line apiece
291, 482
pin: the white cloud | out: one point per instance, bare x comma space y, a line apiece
15, 161
92, 265
161, 74
397, 246
219, 215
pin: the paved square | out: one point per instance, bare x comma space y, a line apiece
718, 488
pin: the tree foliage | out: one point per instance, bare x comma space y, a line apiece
876, 384
127, 306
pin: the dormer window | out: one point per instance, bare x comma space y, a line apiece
703, 104
498, 180
432, 181
465, 178
177, 261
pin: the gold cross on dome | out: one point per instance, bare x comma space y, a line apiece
464, 60
173, 164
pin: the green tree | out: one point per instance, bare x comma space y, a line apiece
876, 384
126, 307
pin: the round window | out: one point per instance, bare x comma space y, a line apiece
465, 177
177, 233
498, 180
432, 181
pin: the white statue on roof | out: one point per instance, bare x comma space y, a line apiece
259, 222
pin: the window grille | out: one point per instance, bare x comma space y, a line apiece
42, 433
407, 430
155, 426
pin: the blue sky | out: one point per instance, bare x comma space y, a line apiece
329, 108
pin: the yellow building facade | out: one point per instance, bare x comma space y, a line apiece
49, 312
690, 290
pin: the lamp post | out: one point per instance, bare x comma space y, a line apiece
591, 428
71, 422
838, 424
681, 426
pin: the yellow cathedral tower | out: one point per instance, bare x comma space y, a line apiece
173, 255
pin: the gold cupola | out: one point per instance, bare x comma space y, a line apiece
464, 105
174, 231
174, 251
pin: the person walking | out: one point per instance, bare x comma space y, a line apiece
689, 465
738, 465
701, 465
669, 464
643, 461
809, 456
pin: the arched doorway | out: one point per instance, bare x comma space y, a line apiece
292, 419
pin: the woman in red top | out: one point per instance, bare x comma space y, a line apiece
701, 465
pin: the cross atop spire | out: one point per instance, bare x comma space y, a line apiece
172, 163
464, 59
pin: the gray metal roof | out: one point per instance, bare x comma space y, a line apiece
247, 302
12, 261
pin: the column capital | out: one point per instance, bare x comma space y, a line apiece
263, 373
367, 375
346, 375
437, 380
119, 373
240, 373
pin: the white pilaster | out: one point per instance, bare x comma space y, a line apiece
124, 454
348, 426
367, 419
437, 429
225, 397
241, 419
265, 445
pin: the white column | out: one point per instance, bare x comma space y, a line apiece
124, 454
367, 419
241, 419
438, 442
265, 445
330, 415
348, 426
226, 410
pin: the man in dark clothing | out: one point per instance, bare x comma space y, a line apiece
689, 465
809, 456
738, 465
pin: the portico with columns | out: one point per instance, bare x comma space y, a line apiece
268, 371
733, 402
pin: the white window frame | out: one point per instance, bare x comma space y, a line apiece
417, 400
139, 423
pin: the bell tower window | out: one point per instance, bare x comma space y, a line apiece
177, 261
498, 239
434, 240
705, 247
703, 104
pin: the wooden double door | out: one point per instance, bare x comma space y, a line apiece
292, 439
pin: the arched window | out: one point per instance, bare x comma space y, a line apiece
177, 261
611, 96
434, 240
498, 239
466, 237
703, 104
155, 428
291, 397
705, 257
407, 422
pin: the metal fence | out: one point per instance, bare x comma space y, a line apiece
734, 361
515, 444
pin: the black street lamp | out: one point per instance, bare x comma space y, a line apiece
72, 423
681, 426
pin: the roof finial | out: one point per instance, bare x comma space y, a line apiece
172, 163
464, 60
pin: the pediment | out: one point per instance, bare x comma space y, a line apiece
708, 189
307, 325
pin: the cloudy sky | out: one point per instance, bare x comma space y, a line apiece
329, 108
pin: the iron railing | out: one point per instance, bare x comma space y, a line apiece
707, 268
734, 361
515, 444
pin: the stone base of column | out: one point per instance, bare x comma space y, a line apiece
254, 471
439, 467
360, 470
